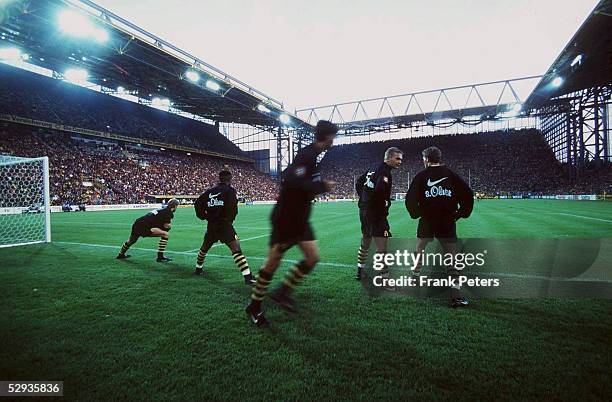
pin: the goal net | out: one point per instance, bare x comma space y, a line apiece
24, 201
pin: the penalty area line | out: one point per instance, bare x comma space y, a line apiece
190, 253
584, 217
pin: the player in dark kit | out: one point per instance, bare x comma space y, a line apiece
439, 197
156, 223
301, 182
219, 205
374, 203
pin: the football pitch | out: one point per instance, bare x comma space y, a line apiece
141, 330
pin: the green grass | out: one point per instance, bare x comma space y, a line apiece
140, 330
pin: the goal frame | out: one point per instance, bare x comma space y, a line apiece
46, 196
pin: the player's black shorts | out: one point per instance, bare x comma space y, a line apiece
287, 235
140, 230
223, 232
374, 226
441, 229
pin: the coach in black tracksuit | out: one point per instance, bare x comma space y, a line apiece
374, 203
219, 206
439, 197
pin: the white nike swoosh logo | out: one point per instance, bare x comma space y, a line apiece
213, 195
433, 183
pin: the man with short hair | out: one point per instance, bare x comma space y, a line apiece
156, 223
375, 201
439, 197
301, 183
219, 205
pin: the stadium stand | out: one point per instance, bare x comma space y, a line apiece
498, 163
38, 97
515, 162
122, 173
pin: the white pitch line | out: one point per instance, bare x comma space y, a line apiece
241, 240
584, 217
127, 226
335, 264
331, 264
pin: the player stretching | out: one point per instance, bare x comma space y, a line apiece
219, 205
156, 223
374, 203
301, 182
433, 196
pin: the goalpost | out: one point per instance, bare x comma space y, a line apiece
25, 210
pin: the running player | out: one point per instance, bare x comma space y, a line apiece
301, 183
156, 223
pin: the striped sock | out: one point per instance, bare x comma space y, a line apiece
200, 259
124, 248
295, 275
161, 247
362, 254
242, 264
260, 289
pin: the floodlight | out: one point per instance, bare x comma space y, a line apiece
75, 23
210, 84
165, 102
76, 74
192, 76
156, 102
120, 90
25, 56
100, 35
262, 108
10, 53
557, 82
284, 118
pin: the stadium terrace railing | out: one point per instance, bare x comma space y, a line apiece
119, 137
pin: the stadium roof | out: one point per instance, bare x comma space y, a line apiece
117, 53
585, 62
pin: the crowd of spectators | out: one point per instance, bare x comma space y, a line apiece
34, 96
95, 172
515, 162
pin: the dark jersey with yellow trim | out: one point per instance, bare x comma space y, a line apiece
439, 193
376, 194
220, 204
156, 219
301, 182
